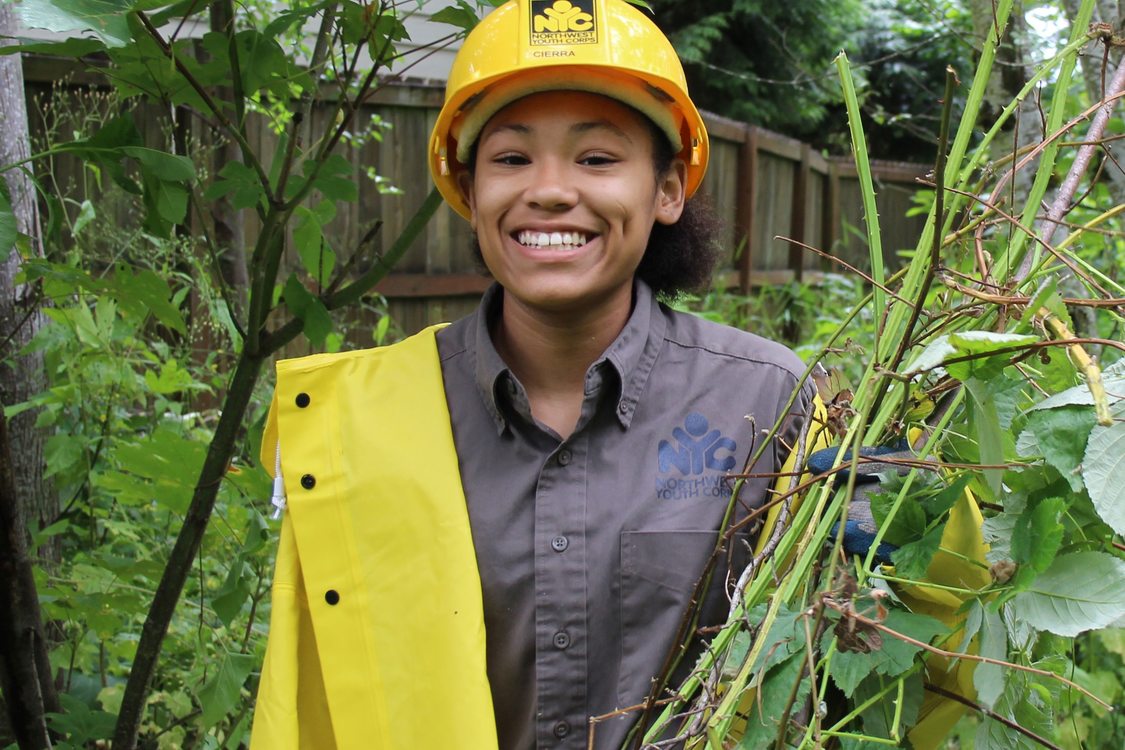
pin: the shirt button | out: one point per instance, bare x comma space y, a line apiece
564, 457
308, 481
562, 729
562, 640
560, 543
623, 408
332, 597
303, 400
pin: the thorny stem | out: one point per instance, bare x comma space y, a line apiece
939, 217
1085, 363
1050, 226
1003, 299
1027, 231
869, 622
990, 714
835, 259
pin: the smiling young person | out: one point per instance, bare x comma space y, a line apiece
494, 528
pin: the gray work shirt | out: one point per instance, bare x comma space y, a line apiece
589, 547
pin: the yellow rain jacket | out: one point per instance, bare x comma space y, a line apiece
377, 628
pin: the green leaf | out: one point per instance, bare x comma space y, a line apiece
316, 255
239, 181
969, 343
8, 231
913, 560
63, 452
1023, 702
878, 720
227, 601
167, 463
1078, 592
81, 722
1103, 470
72, 47
786, 637
309, 309
935, 353
462, 16
1113, 380
164, 166
1038, 535
86, 214
985, 420
134, 74
772, 700
988, 679
145, 292
105, 19
172, 378
936, 505
219, 697
334, 179
908, 524
1061, 435
1041, 298
895, 656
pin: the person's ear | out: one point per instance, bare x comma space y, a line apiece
671, 188
465, 185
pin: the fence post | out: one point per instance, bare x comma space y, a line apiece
747, 200
830, 216
797, 211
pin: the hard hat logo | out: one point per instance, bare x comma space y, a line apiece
563, 22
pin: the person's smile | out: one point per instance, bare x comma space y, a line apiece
564, 195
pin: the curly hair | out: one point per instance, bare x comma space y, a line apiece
680, 257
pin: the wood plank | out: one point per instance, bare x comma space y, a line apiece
747, 200
724, 128
779, 145
413, 285
797, 210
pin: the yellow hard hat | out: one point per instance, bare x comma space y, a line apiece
523, 47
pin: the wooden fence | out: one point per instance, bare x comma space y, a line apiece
763, 186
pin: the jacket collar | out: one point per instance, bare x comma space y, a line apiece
625, 364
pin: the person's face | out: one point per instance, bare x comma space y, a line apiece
564, 196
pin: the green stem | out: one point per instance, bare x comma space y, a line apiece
867, 187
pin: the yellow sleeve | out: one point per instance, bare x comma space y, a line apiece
815, 438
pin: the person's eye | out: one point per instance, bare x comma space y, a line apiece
597, 160
511, 160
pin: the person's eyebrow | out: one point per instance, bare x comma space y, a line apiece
585, 127
578, 128
513, 126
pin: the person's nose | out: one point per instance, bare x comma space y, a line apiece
553, 186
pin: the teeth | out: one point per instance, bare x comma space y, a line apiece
559, 240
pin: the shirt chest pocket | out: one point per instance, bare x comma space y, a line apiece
659, 570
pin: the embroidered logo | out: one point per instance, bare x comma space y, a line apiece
563, 22
684, 464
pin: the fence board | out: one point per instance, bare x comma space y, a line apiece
761, 184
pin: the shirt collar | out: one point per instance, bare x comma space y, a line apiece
631, 355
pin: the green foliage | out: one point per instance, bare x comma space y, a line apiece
981, 365
147, 325
761, 61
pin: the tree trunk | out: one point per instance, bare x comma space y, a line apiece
25, 670
229, 236
21, 376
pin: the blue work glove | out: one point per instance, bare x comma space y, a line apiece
860, 528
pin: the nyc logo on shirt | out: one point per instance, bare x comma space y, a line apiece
693, 463
562, 22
